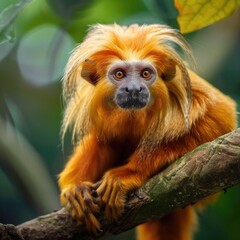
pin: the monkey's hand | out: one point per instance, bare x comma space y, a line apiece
83, 204
113, 189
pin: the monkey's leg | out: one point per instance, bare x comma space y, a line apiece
87, 165
177, 225
82, 204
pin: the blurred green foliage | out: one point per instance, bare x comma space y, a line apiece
7, 17
30, 93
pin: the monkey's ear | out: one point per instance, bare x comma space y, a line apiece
89, 71
168, 70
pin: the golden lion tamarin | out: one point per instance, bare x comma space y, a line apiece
135, 107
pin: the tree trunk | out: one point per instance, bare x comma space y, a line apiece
210, 168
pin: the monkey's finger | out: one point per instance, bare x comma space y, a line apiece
107, 191
88, 184
81, 202
64, 198
119, 205
111, 210
102, 188
87, 197
77, 209
91, 196
67, 203
112, 196
92, 223
86, 215
68, 206
98, 200
96, 185
108, 213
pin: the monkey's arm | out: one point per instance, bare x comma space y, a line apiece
117, 182
88, 163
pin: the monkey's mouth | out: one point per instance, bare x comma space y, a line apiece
132, 103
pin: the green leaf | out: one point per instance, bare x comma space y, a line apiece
7, 17
67, 9
194, 15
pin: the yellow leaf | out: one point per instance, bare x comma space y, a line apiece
196, 14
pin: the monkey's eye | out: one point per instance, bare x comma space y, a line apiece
146, 73
119, 74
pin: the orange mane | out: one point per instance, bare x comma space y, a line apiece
103, 45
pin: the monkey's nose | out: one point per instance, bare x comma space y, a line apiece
133, 91
130, 90
132, 96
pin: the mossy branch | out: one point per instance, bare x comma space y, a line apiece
210, 168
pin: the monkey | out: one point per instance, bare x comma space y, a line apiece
134, 107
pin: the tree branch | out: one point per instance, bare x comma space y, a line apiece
210, 168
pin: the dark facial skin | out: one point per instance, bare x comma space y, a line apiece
133, 79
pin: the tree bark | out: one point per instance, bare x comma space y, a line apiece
210, 168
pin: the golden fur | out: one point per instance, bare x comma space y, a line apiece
133, 43
124, 148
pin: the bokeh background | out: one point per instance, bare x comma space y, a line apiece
31, 107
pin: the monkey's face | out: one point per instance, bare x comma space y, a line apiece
126, 77
132, 79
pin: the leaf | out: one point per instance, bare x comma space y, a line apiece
194, 15
7, 17
50, 56
67, 9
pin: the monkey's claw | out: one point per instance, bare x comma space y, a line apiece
83, 204
113, 196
